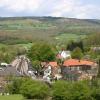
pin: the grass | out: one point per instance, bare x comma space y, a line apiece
69, 36
27, 45
12, 97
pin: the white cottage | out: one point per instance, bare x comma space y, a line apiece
64, 55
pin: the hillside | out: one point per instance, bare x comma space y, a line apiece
27, 29
93, 39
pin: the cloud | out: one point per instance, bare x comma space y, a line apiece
64, 7
71, 8
58, 8
20, 5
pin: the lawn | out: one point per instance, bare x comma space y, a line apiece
12, 97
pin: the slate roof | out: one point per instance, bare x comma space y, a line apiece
9, 70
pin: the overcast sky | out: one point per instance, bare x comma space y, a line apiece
57, 8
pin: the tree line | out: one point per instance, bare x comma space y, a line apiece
59, 90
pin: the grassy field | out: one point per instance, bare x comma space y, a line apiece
12, 97
67, 37
28, 45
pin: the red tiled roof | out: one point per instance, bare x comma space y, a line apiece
53, 64
75, 62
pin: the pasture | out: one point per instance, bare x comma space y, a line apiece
12, 97
66, 37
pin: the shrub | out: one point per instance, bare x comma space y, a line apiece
63, 90
29, 88
77, 53
34, 89
14, 86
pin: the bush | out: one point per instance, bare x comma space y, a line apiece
77, 53
14, 86
60, 90
96, 89
34, 89
29, 88
81, 91
63, 90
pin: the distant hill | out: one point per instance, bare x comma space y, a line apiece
27, 29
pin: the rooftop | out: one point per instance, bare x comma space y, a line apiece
76, 62
54, 64
9, 70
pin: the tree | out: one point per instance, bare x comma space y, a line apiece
29, 88
14, 86
61, 90
81, 91
77, 53
41, 52
96, 89
32, 89
93, 39
72, 45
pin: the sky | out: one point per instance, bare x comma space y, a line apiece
82, 9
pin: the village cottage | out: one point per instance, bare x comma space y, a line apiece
51, 70
74, 69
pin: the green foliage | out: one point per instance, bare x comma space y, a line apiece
9, 52
77, 53
29, 88
81, 91
72, 45
63, 90
96, 89
41, 52
6, 55
92, 54
34, 89
60, 90
14, 86
93, 39
36, 64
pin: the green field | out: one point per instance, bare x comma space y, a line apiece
12, 97
28, 45
67, 37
